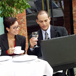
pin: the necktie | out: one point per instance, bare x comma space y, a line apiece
46, 35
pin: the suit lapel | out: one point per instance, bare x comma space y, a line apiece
5, 41
53, 32
40, 35
18, 41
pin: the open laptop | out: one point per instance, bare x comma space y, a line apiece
60, 52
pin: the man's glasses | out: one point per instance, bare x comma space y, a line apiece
16, 27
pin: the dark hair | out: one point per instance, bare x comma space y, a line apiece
8, 21
41, 12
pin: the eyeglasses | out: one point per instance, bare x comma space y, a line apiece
16, 27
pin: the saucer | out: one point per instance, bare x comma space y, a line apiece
19, 52
5, 58
24, 58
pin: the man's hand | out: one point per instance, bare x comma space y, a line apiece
33, 42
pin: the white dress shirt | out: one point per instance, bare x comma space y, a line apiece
48, 31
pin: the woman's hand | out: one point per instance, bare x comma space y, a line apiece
10, 50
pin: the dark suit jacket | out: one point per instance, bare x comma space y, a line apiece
20, 41
56, 31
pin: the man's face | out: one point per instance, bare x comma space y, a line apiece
43, 21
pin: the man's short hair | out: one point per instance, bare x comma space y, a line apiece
41, 12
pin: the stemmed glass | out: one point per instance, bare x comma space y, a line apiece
35, 34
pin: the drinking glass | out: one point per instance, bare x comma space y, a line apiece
35, 34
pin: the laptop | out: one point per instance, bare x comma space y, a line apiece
60, 52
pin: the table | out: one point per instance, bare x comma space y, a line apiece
36, 67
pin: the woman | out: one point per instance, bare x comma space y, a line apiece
11, 38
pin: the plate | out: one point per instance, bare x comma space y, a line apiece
5, 58
19, 52
23, 58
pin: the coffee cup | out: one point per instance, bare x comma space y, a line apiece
17, 48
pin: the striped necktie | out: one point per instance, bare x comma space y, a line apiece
46, 35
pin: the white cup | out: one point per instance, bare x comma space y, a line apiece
17, 48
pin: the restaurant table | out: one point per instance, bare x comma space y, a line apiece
24, 66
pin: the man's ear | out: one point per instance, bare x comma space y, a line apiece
7, 29
50, 18
37, 21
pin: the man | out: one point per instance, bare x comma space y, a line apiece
43, 20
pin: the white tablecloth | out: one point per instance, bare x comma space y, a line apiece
35, 67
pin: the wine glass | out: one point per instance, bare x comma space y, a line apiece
35, 34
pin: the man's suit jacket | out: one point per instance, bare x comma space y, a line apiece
56, 31
20, 41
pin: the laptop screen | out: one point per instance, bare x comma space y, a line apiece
60, 51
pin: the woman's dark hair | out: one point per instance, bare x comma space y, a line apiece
8, 21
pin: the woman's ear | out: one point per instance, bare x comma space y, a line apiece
7, 29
